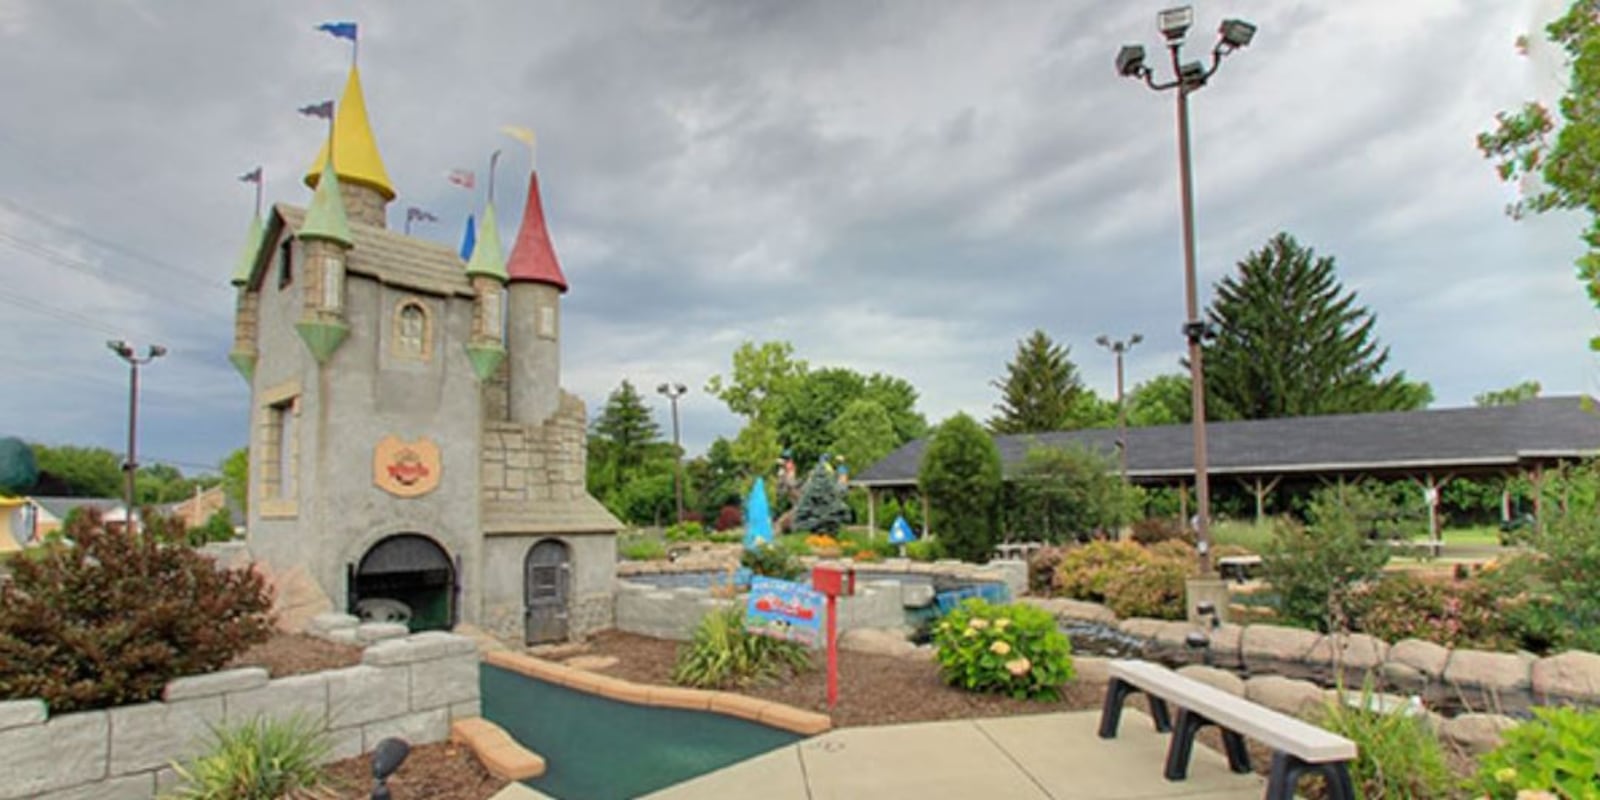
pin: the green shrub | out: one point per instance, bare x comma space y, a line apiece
772, 560
960, 474
642, 548
1456, 613
1176, 550
925, 550
112, 618
1557, 751
1152, 589
263, 759
686, 532
821, 508
1399, 757
1007, 649
1314, 568
723, 654
1064, 494
1086, 570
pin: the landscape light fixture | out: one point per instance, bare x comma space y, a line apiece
387, 757
128, 353
1118, 349
1175, 22
673, 391
1233, 34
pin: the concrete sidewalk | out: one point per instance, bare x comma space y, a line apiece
1043, 757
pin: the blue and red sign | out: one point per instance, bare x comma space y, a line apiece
785, 610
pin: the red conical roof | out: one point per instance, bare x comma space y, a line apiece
532, 258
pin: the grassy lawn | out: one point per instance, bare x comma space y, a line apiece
1476, 536
1246, 534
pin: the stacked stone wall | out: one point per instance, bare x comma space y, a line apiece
522, 463
412, 687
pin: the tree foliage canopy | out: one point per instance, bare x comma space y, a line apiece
960, 475
1162, 400
1509, 396
1291, 341
1041, 390
1566, 166
625, 430
1065, 493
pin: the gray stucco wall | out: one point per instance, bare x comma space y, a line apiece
590, 607
534, 359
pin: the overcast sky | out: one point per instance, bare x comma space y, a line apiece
907, 187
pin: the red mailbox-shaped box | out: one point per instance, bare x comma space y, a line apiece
834, 581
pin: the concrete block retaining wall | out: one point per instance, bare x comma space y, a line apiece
880, 600
412, 687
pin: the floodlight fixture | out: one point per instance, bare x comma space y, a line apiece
1103, 340
157, 351
1192, 75
1236, 33
120, 347
1135, 339
1175, 22
1130, 61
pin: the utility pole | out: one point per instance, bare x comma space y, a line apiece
1119, 348
672, 392
127, 353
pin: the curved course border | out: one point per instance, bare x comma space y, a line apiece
765, 712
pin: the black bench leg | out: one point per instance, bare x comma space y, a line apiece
1287, 770
1117, 693
1238, 754
1181, 746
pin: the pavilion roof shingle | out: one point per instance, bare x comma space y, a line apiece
1497, 437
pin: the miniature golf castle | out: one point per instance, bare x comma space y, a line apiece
411, 448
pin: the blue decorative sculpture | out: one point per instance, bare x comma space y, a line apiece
900, 532
757, 517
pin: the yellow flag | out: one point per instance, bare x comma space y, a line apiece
521, 134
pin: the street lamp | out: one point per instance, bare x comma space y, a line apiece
1118, 348
1233, 34
673, 391
126, 352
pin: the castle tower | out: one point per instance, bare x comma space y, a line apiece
367, 190
243, 355
325, 241
487, 271
534, 316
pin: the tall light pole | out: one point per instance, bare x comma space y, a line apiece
1233, 34
126, 352
673, 391
1119, 348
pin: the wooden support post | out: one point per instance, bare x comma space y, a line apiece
1537, 479
1183, 505
1260, 491
924, 515
872, 513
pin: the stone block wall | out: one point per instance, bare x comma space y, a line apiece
412, 687
522, 463
674, 613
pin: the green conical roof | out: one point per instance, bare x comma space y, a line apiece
325, 219
487, 257
247, 259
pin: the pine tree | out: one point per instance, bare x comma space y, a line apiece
821, 508
1040, 389
1291, 341
627, 429
960, 475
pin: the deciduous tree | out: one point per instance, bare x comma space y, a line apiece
1291, 341
1529, 143
960, 474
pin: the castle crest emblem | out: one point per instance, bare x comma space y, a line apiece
406, 469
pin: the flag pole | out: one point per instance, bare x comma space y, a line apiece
493, 160
259, 180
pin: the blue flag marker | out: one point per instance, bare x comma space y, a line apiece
757, 517
900, 532
342, 30
469, 240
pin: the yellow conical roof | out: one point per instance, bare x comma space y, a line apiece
356, 156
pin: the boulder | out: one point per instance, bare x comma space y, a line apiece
1063, 607
1570, 676
1475, 733
1091, 669
1425, 657
1289, 696
1404, 677
1274, 644
1354, 651
1506, 672
878, 641
1225, 643
1218, 678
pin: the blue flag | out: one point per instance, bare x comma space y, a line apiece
900, 532
342, 30
757, 518
469, 240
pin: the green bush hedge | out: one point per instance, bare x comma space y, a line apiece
1557, 751
1007, 649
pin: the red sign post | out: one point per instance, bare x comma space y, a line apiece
833, 582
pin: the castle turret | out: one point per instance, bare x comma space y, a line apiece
486, 269
246, 309
534, 317
325, 237
367, 190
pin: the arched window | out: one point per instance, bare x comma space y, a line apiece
413, 330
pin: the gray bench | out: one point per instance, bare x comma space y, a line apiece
1298, 748
1238, 568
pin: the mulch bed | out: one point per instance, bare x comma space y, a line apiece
439, 771
873, 689
288, 654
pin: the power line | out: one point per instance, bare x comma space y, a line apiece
52, 311
72, 230
42, 252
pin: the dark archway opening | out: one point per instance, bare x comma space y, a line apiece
406, 578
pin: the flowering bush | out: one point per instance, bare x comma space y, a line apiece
1011, 649
821, 541
1464, 613
1552, 755
1042, 566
